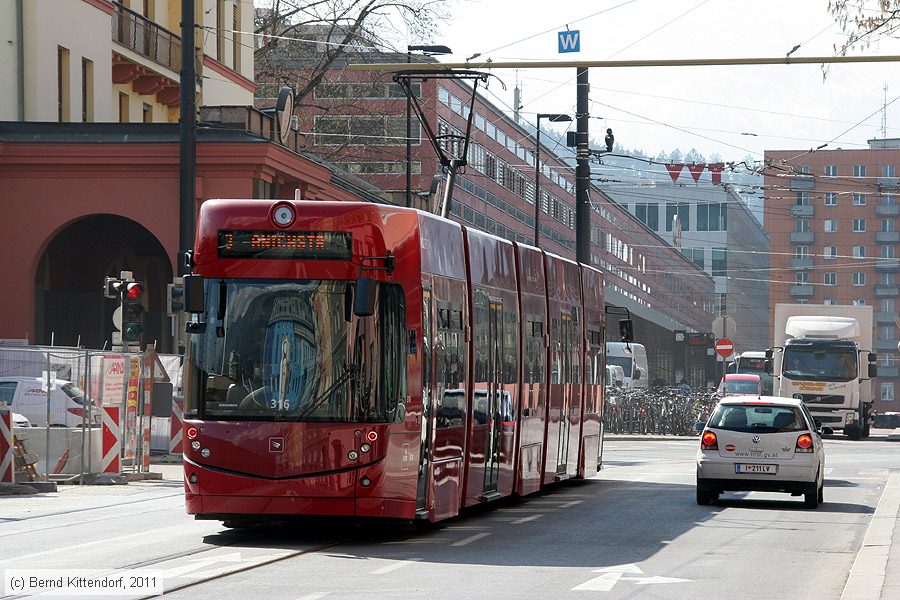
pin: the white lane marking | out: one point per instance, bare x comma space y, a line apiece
66, 549
626, 568
866, 578
571, 504
315, 596
526, 519
394, 566
470, 539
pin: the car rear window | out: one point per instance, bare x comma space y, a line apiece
757, 418
74, 392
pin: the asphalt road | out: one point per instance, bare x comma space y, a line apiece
633, 531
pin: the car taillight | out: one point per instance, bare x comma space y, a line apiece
709, 441
804, 443
78, 412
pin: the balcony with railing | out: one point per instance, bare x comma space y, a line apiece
885, 346
887, 210
802, 182
801, 291
803, 210
884, 316
887, 265
801, 263
887, 236
144, 37
802, 237
886, 291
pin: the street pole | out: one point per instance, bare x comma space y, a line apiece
537, 185
408, 141
187, 150
582, 171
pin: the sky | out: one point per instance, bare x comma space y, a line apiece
724, 112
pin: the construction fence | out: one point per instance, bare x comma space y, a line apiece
77, 413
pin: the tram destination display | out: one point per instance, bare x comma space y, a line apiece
285, 245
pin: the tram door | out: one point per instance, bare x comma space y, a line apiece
425, 443
565, 379
495, 406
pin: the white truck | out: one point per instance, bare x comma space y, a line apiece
822, 355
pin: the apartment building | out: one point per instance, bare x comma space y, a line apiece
832, 218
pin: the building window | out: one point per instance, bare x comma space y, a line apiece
887, 225
830, 278
887, 279
859, 225
147, 112
887, 391
648, 214
63, 85
802, 226
830, 225
859, 251
124, 109
859, 199
694, 255
858, 302
831, 170
87, 90
887, 171
801, 199
887, 305
831, 198
683, 212
830, 252
888, 200
887, 251
719, 262
859, 170
859, 278
801, 252
220, 31
802, 277
829, 301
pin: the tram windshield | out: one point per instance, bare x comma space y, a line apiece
294, 351
819, 365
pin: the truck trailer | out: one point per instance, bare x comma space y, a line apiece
822, 355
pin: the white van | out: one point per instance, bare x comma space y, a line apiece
633, 360
28, 397
615, 376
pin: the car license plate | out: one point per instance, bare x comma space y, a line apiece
763, 469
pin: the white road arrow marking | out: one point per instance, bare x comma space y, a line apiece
630, 572
657, 579
629, 568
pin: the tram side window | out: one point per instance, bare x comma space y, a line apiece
557, 352
451, 398
481, 363
510, 360
534, 365
574, 346
392, 323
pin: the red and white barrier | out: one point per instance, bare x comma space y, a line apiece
111, 434
176, 434
7, 452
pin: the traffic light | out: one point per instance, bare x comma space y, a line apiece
133, 313
175, 296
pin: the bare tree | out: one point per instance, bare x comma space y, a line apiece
865, 21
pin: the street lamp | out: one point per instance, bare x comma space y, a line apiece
555, 118
429, 51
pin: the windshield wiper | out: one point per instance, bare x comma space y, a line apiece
345, 376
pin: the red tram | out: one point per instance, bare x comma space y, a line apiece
364, 360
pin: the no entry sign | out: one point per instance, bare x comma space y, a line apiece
724, 347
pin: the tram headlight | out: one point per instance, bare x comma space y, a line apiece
192, 478
365, 447
353, 455
365, 481
195, 444
205, 453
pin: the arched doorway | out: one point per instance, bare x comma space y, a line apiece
69, 305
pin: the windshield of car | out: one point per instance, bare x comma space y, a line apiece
741, 387
294, 351
819, 365
757, 418
622, 361
751, 365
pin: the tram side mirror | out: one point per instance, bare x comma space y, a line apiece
872, 357
194, 298
364, 301
873, 370
626, 330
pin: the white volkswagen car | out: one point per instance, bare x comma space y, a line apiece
760, 443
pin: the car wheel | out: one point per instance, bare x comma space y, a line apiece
852, 432
705, 496
811, 496
821, 494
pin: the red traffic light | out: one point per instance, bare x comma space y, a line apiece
134, 291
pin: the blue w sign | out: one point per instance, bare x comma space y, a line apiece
569, 41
